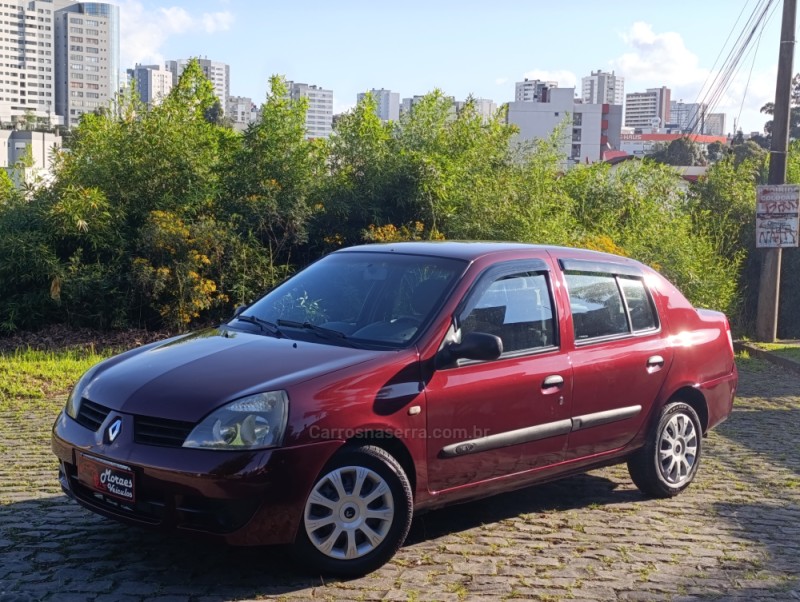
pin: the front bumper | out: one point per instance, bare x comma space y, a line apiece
244, 498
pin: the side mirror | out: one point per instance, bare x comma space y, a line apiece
473, 346
239, 310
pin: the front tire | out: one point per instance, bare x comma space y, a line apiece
357, 515
668, 462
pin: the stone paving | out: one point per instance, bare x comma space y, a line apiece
733, 535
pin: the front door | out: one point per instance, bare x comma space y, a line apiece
491, 418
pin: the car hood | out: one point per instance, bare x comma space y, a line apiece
186, 377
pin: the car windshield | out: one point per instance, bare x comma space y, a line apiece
382, 299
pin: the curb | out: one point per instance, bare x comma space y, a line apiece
767, 356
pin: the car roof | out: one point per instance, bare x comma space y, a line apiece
471, 250
468, 250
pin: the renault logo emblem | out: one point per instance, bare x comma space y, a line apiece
114, 429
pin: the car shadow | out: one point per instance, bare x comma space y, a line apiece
574, 492
53, 545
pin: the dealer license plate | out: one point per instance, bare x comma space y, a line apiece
108, 478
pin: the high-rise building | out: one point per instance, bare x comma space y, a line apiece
714, 124
153, 82
408, 103
648, 109
602, 87
28, 61
686, 116
219, 74
319, 119
86, 50
533, 90
694, 118
388, 103
241, 111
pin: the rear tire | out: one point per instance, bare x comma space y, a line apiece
357, 514
668, 462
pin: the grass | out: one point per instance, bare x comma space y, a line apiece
32, 374
788, 350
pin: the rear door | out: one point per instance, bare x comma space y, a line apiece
619, 354
491, 418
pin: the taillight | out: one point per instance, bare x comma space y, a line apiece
730, 336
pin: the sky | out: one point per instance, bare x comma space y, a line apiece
464, 47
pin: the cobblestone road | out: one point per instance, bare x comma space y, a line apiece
735, 534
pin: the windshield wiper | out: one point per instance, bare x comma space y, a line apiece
264, 325
320, 330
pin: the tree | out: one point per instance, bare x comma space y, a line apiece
716, 151
794, 115
270, 180
748, 151
682, 151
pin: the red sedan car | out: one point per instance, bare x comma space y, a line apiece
385, 380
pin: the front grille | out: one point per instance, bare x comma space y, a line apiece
91, 415
159, 431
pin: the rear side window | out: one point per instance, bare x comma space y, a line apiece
606, 305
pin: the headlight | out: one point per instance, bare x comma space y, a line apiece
252, 422
74, 399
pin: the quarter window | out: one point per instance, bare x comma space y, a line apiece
643, 317
517, 308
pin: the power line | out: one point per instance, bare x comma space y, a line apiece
755, 24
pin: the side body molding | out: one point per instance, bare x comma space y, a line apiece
540, 431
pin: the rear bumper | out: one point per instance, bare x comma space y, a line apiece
243, 498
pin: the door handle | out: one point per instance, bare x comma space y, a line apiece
655, 361
554, 380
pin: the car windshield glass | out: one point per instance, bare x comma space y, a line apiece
384, 299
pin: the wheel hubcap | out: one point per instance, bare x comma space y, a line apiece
677, 450
349, 512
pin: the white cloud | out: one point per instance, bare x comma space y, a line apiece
662, 59
501, 81
144, 32
175, 19
565, 79
659, 57
213, 22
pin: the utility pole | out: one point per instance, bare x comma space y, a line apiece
770, 282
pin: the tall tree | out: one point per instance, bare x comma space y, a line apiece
794, 115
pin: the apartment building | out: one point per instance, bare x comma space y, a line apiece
241, 111
649, 109
387, 103
26, 73
319, 119
484, 107
219, 74
153, 83
87, 57
602, 87
533, 90
715, 125
590, 129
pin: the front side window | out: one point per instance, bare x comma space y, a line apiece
376, 298
515, 307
